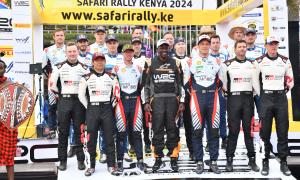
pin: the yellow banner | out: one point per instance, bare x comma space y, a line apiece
121, 16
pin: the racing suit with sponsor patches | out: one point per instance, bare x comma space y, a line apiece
128, 114
96, 48
141, 60
187, 120
164, 91
69, 106
203, 85
276, 76
96, 92
239, 78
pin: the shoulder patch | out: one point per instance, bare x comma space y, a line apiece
87, 76
259, 59
228, 62
284, 58
83, 65
59, 65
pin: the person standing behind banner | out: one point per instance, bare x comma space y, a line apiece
99, 45
236, 33
137, 32
276, 76
140, 59
215, 47
53, 55
180, 55
129, 115
85, 58
164, 98
97, 91
239, 77
169, 37
69, 73
203, 85
8, 137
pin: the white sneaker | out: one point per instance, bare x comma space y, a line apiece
127, 157
103, 158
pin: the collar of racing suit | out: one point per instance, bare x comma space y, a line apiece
96, 73
215, 55
180, 57
74, 64
240, 61
112, 56
82, 54
251, 49
136, 57
272, 58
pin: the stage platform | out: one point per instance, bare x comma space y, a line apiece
41, 150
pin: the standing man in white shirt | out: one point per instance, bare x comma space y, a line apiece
99, 45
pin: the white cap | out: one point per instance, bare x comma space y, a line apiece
271, 39
161, 42
203, 37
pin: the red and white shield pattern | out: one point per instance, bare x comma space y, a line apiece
16, 105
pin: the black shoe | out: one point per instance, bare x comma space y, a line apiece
224, 143
200, 167
265, 167
120, 167
157, 164
113, 171
89, 171
147, 149
62, 165
174, 165
252, 164
214, 167
71, 152
229, 166
81, 165
140, 164
284, 168
207, 148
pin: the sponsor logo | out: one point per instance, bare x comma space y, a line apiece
22, 52
23, 40
21, 3
273, 77
7, 50
22, 25
159, 78
5, 24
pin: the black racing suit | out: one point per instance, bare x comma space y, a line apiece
69, 106
276, 76
163, 90
240, 77
96, 92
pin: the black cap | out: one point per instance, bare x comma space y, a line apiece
136, 39
250, 30
81, 37
111, 37
100, 29
178, 40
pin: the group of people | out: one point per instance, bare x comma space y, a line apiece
119, 93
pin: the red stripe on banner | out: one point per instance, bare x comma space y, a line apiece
194, 96
215, 107
122, 112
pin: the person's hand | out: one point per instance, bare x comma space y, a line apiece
147, 107
181, 108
